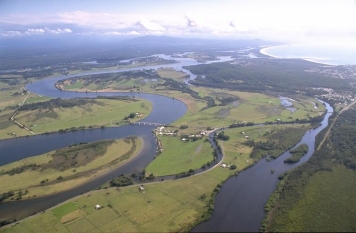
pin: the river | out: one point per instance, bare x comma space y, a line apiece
165, 110
239, 205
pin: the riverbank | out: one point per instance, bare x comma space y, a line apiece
241, 209
70, 115
48, 174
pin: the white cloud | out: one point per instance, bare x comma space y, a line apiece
150, 26
293, 20
121, 33
58, 30
34, 31
11, 33
37, 31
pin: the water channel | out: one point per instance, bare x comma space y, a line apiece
165, 110
239, 205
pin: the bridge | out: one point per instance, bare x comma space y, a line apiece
147, 123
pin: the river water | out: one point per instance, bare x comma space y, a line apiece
165, 110
239, 205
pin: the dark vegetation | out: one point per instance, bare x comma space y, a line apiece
58, 103
103, 80
77, 155
223, 136
297, 153
261, 75
74, 156
337, 153
121, 181
190, 172
278, 141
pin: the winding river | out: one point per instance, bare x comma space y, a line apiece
239, 205
165, 110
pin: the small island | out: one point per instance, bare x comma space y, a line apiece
297, 153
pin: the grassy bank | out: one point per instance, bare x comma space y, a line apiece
102, 112
65, 168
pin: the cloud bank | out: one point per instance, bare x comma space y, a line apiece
295, 21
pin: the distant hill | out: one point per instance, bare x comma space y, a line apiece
177, 41
35, 51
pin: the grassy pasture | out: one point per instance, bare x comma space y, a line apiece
73, 174
171, 73
165, 206
108, 113
180, 156
255, 107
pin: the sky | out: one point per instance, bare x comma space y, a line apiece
293, 21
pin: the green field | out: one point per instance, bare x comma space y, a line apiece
108, 112
180, 156
237, 150
165, 206
171, 73
38, 175
251, 107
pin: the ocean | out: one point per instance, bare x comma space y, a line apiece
329, 55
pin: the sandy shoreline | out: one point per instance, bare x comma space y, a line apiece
264, 51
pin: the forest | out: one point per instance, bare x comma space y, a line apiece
267, 75
320, 179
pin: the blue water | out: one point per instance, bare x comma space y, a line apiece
330, 55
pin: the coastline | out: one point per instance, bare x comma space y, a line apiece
265, 52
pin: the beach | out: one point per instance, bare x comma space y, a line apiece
327, 55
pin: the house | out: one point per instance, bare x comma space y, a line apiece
97, 207
141, 188
246, 137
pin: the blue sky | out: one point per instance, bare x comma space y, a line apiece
283, 20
